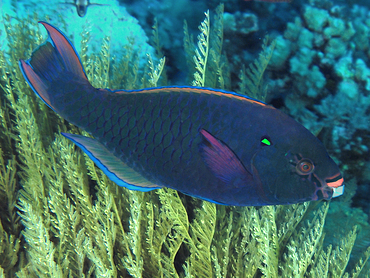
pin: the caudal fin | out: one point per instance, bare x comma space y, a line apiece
52, 63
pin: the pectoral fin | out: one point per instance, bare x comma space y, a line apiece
112, 166
222, 161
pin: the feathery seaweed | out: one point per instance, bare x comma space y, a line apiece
158, 51
251, 80
201, 233
217, 67
8, 192
201, 53
341, 255
9, 251
155, 72
208, 66
77, 223
222, 240
85, 38
173, 226
189, 48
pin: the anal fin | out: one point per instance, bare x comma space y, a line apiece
112, 166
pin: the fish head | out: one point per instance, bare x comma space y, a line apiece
81, 7
295, 168
81, 10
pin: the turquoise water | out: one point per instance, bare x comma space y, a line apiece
319, 74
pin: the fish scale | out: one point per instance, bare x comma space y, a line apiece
178, 145
161, 132
215, 145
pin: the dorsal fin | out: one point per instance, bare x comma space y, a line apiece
190, 89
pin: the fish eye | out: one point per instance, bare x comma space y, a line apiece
305, 166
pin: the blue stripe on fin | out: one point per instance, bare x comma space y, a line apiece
115, 169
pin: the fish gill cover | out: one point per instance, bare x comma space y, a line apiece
60, 216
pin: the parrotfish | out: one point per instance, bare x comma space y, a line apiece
211, 144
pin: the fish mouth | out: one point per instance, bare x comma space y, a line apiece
336, 183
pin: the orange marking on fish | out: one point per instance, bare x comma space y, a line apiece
194, 90
336, 184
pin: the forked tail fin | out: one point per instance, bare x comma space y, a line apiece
52, 65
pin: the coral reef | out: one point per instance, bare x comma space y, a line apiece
61, 217
111, 20
325, 50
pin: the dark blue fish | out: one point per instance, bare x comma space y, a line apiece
211, 144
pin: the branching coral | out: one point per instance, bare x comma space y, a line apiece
77, 223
